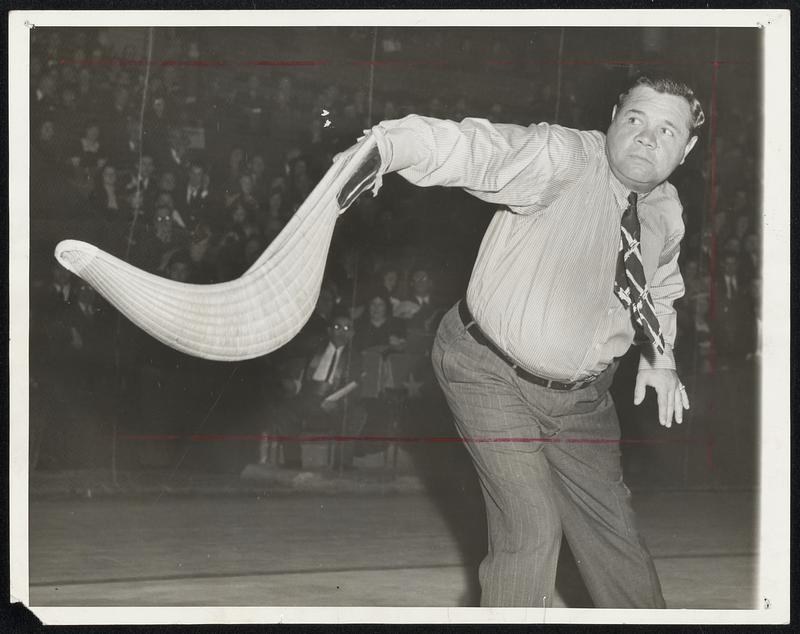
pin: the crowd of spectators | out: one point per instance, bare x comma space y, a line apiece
189, 176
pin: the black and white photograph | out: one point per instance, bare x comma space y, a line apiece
400, 316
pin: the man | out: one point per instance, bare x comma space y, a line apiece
193, 205
333, 366
426, 310
146, 183
729, 312
582, 261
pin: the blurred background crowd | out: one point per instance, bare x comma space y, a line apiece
188, 167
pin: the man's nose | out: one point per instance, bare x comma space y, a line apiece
647, 138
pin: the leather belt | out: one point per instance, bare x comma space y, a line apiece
477, 334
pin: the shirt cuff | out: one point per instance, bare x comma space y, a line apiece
651, 359
399, 146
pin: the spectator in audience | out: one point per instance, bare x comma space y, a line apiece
332, 367
272, 220
116, 128
421, 308
258, 175
69, 114
251, 104
244, 196
195, 203
742, 226
125, 148
156, 128
751, 326
167, 184
44, 100
253, 248
86, 95
45, 150
388, 286
176, 160
728, 313
378, 328
111, 209
90, 144
233, 170
56, 297
750, 259
144, 182
300, 184
156, 244
315, 330
179, 267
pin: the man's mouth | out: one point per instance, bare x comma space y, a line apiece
639, 157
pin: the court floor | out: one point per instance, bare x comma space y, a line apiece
349, 550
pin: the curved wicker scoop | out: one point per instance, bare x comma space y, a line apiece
240, 319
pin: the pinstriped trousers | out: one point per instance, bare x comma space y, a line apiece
549, 464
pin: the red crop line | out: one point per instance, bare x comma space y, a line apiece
418, 439
289, 62
193, 62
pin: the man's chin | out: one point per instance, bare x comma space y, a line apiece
638, 182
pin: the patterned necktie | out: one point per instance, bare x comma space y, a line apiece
630, 285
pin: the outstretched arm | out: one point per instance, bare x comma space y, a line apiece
504, 164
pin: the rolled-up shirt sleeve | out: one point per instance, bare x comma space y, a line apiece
665, 288
505, 164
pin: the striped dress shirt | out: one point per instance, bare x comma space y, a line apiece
542, 284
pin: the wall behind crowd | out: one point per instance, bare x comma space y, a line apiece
191, 170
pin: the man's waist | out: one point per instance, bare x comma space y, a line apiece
482, 338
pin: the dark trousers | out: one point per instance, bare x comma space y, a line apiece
303, 413
549, 464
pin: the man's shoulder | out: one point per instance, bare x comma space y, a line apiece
665, 196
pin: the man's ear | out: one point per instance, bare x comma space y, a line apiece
688, 148
614, 112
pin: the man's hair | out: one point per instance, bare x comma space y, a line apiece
669, 86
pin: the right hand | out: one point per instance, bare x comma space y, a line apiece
362, 179
328, 406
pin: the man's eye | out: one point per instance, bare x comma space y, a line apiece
634, 120
667, 132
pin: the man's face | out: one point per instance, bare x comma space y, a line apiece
729, 265
47, 131
163, 223
648, 138
421, 283
167, 181
377, 309
109, 176
196, 176
86, 295
341, 331
148, 167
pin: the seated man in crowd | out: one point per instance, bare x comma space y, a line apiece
194, 204
312, 403
421, 311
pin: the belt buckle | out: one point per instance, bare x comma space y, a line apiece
586, 381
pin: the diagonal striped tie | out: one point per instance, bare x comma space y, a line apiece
630, 286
